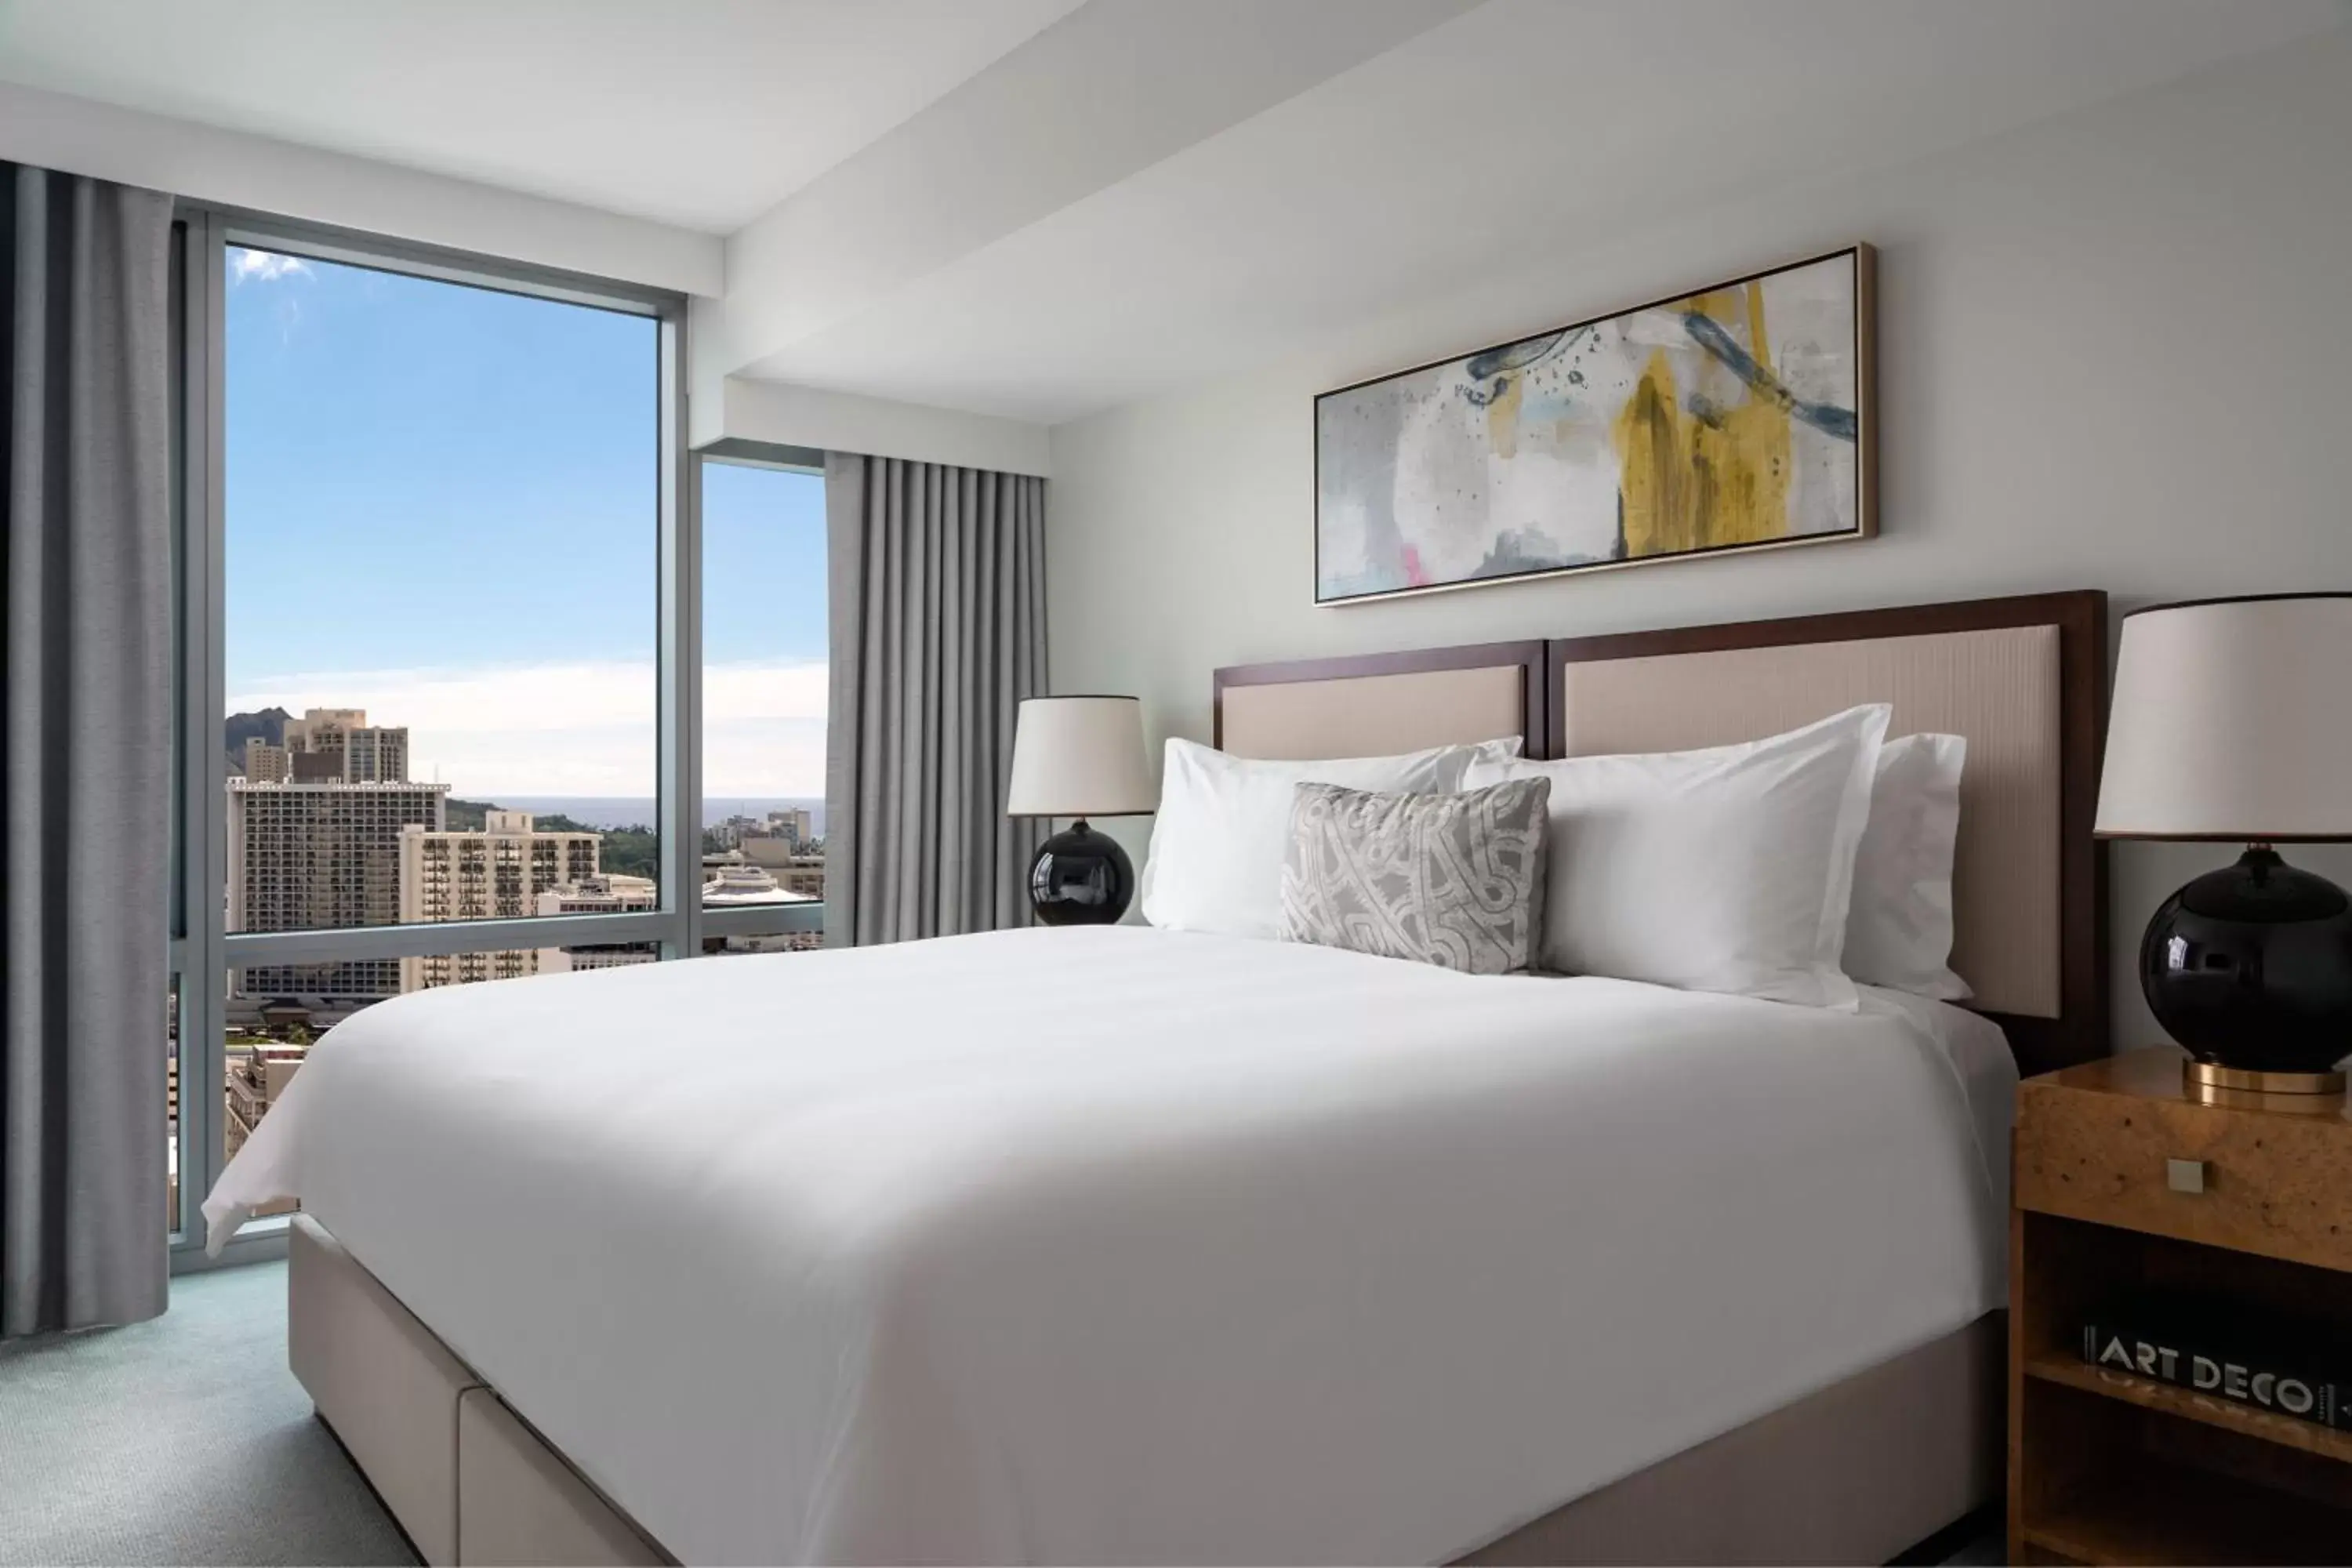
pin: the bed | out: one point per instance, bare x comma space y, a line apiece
1127, 1244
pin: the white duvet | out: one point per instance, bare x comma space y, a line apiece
1122, 1244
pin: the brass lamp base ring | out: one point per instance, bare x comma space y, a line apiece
2212, 1075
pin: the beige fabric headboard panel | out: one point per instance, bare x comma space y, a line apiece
1373, 715
1999, 688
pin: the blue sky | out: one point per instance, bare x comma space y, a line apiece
763, 564
441, 505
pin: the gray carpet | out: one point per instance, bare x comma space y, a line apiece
180, 1441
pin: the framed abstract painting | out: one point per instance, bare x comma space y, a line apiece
1736, 417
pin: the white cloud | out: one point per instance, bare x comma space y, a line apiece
578, 729
765, 757
796, 689
266, 265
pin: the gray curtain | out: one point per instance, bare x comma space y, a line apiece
938, 630
85, 750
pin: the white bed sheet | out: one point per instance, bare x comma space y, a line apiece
1121, 1245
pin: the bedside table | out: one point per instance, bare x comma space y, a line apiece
2124, 1186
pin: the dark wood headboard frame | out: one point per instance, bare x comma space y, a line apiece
1532, 655
2080, 1032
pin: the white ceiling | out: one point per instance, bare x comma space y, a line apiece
1041, 209
1521, 129
702, 114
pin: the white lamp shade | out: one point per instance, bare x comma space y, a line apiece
1080, 756
2232, 720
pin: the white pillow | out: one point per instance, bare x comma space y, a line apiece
1899, 932
1724, 869
1216, 860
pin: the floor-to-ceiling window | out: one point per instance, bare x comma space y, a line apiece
442, 660
763, 705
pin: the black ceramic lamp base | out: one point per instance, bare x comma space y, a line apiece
1080, 878
2250, 967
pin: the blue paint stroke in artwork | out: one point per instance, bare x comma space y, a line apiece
1826, 417
1479, 398
1496, 364
1514, 356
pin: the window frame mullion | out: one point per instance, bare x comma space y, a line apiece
204, 833
679, 660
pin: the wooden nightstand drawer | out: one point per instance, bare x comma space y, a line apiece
2132, 1197
2249, 1180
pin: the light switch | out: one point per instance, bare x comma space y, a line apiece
2185, 1176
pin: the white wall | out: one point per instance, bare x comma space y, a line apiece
230, 168
2115, 352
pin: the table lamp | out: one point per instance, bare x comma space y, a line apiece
1080, 757
2232, 720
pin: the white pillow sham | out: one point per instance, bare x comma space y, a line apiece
1724, 869
1898, 933
1217, 845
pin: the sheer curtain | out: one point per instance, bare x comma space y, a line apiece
937, 623
84, 878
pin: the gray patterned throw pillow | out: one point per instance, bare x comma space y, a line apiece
1457, 880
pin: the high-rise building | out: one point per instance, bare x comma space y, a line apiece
600, 895
356, 751
315, 855
499, 873
319, 733
258, 1072
792, 825
609, 893
319, 729
375, 756
266, 764
797, 869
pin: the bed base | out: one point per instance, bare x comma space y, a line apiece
464, 1477
1859, 1472
1856, 1473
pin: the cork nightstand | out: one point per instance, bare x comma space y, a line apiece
2126, 1187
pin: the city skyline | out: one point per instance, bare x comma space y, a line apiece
364, 751
441, 502
580, 729
327, 832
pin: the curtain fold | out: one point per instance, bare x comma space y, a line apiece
937, 605
85, 750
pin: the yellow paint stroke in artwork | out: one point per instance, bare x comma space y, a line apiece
1651, 465
1720, 303
1690, 480
1503, 418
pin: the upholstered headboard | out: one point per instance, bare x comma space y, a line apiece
2022, 678
1375, 705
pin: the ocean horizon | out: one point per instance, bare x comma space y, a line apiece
637, 811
